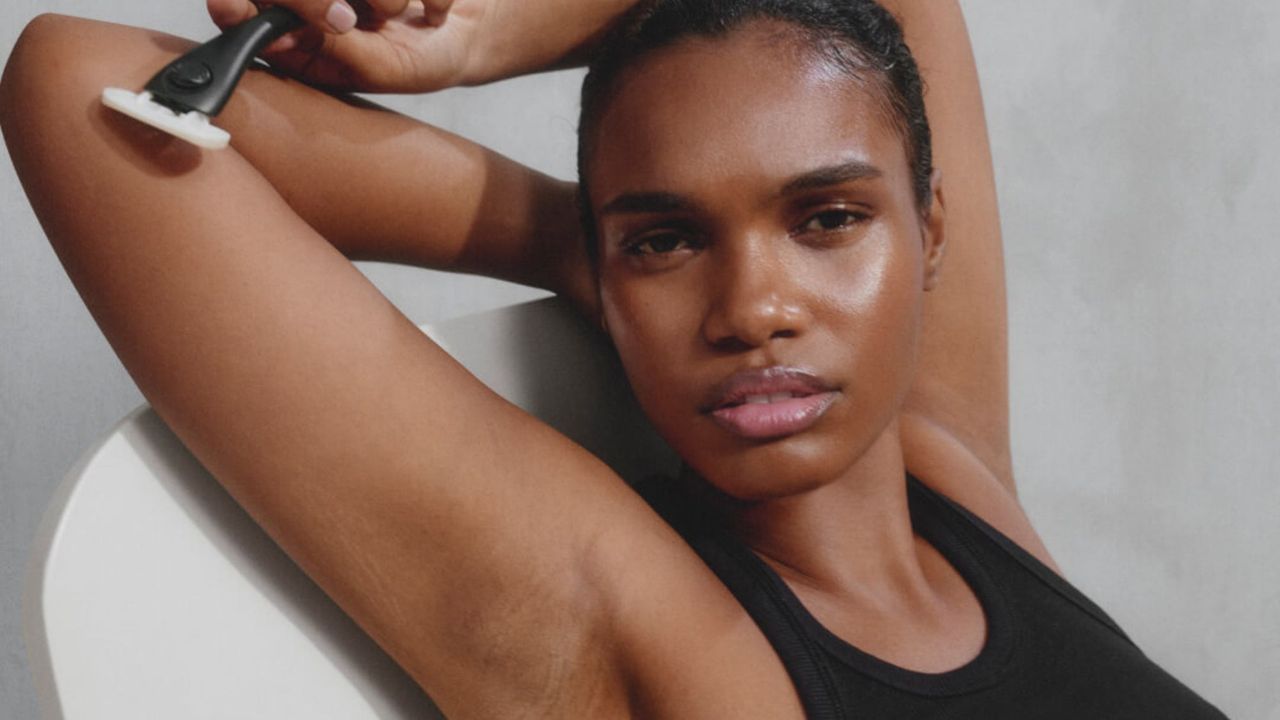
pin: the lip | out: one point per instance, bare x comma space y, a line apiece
812, 396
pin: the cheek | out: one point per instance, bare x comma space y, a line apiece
654, 327
875, 284
650, 326
866, 306
881, 308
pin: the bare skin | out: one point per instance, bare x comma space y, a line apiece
748, 274
403, 487
421, 45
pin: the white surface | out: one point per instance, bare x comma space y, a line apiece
542, 357
159, 598
153, 595
194, 127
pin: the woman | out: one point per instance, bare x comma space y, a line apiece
764, 243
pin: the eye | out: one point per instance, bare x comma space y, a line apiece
657, 244
831, 220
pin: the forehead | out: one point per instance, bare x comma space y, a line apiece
754, 105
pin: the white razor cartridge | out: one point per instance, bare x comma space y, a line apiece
194, 126
182, 97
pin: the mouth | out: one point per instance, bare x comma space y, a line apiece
764, 399
770, 402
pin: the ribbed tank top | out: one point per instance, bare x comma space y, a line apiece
1050, 653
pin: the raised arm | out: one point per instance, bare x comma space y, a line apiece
380, 186
443, 44
962, 381
955, 422
394, 478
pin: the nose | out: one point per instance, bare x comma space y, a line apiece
755, 296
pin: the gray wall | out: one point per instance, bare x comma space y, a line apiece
1139, 171
1138, 177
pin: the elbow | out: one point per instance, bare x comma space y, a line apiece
32, 60
51, 111
43, 82
59, 66
39, 83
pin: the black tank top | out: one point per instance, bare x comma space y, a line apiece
1050, 653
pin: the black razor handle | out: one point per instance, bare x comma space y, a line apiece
203, 79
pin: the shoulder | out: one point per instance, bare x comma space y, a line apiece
685, 646
945, 463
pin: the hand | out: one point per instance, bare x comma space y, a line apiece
424, 45
373, 45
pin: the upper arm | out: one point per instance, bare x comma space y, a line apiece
962, 378
459, 531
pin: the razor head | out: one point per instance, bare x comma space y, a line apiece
194, 126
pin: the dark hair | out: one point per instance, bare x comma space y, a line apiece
857, 36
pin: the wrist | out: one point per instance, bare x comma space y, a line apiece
521, 37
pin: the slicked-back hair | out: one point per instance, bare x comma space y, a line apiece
857, 37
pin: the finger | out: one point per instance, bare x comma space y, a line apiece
356, 61
438, 6
435, 11
384, 8
282, 44
227, 13
332, 16
311, 61
284, 51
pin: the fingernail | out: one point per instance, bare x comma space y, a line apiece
340, 17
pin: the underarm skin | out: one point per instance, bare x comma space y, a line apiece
961, 386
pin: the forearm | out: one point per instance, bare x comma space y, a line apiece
526, 36
381, 186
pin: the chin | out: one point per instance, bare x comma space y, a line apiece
774, 469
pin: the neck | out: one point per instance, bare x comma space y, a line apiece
849, 538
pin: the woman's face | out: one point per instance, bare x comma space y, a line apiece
759, 241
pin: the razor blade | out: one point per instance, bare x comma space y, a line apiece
182, 97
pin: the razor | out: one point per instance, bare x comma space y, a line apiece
181, 98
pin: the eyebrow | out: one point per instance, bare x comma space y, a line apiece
831, 175
646, 202
660, 202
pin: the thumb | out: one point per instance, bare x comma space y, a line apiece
229, 13
336, 16
333, 16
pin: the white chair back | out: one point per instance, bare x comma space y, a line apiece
153, 595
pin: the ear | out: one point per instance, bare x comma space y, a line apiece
933, 232
577, 279
598, 310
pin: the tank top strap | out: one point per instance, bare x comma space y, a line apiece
962, 520
1046, 641
741, 573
